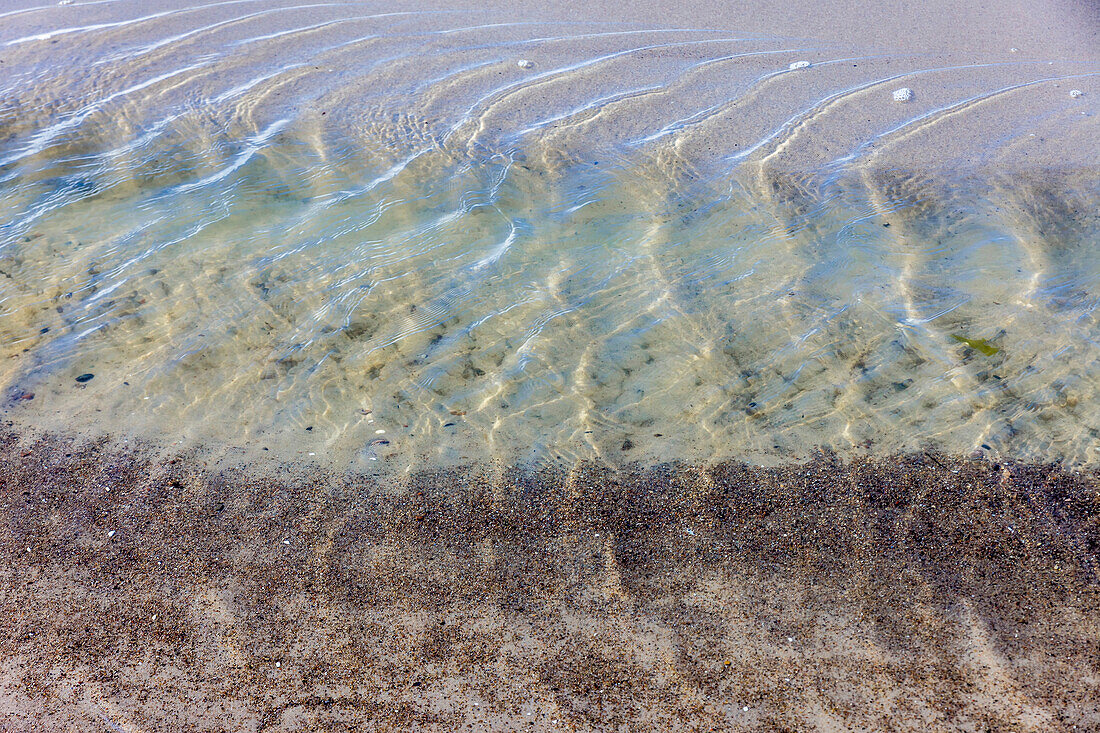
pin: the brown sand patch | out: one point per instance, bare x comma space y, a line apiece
910, 593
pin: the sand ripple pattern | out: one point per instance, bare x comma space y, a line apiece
375, 238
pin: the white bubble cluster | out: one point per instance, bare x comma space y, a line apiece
799, 65
525, 64
1075, 93
903, 95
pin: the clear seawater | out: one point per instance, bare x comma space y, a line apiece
369, 239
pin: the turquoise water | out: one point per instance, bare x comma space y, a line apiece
338, 251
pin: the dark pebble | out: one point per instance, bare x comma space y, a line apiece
85, 378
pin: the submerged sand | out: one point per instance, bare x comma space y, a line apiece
912, 593
698, 84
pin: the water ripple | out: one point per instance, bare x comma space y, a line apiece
640, 244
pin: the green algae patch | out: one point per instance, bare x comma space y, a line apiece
980, 345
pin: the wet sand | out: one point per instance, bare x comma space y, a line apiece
709, 82
918, 592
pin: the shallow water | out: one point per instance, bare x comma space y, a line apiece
373, 239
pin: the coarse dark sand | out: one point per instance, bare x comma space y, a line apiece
910, 593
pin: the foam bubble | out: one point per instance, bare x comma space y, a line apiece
799, 65
1075, 93
525, 64
903, 95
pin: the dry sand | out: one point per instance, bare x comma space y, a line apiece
910, 593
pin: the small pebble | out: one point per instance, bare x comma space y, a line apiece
286, 542
379, 432
903, 95
1075, 93
85, 378
111, 533
525, 64
799, 65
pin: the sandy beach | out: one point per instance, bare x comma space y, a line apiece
906, 593
990, 83
557, 367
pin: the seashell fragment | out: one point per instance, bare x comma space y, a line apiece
903, 95
525, 64
799, 65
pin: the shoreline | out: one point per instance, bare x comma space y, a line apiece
173, 560
150, 593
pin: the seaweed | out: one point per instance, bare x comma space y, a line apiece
980, 345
